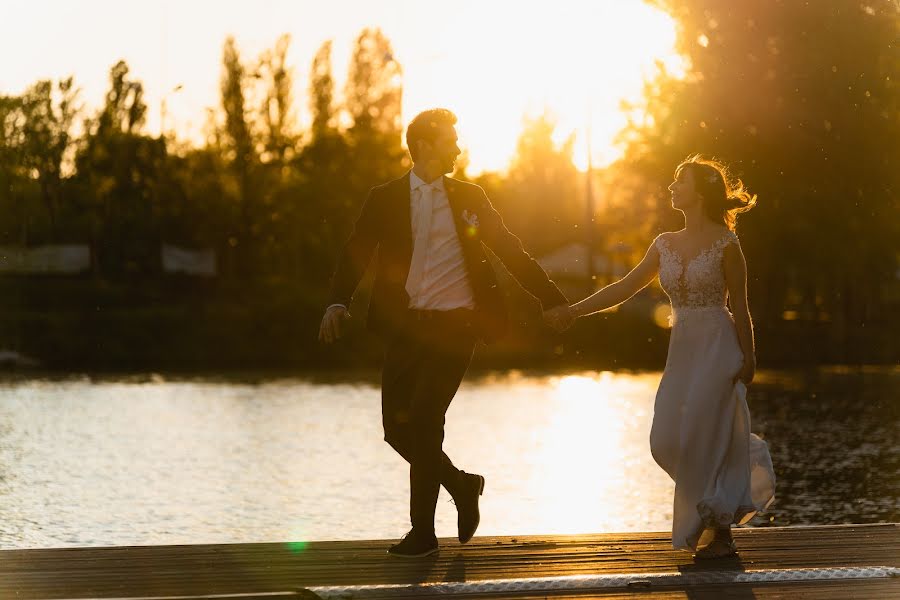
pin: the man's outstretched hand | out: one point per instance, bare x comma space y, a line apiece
333, 323
559, 317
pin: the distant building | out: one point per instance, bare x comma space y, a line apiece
59, 259
176, 259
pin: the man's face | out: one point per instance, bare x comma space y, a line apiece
442, 152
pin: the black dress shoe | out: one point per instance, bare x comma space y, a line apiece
415, 545
466, 499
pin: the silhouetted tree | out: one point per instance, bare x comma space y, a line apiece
374, 86
373, 103
539, 197
13, 178
237, 143
326, 195
279, 121
49, 116
117, 172
321, 93
195, 210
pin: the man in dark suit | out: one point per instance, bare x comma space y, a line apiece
435, 295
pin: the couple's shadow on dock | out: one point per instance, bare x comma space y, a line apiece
716, 579
427, 569
701, 580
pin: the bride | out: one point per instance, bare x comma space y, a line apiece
701, 424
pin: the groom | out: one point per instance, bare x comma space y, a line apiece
435, 295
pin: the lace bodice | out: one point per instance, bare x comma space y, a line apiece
700, 283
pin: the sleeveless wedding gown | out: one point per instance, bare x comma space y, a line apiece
701, 424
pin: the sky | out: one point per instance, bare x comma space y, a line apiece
491, 61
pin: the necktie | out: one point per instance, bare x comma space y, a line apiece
420, 243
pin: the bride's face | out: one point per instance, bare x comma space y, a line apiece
684, 195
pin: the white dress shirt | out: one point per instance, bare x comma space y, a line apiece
442, 283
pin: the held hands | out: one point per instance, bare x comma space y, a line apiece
559, 317
333, 324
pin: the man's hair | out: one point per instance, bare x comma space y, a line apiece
424, 127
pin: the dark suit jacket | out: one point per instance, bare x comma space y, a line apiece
385, 223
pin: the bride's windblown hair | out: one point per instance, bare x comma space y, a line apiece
723, 197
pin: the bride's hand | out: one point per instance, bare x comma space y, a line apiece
748, 370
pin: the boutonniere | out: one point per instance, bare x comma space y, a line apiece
471, 220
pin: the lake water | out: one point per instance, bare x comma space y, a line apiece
152, 460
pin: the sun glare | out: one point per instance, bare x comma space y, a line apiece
575, 60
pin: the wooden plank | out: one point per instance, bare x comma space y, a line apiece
146, 571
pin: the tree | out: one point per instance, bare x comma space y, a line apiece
14, 179
49, 116
238, 147
279, 137
374, 86
373, 103
117, 174
321, 93
326, 198
539, 197
125, 110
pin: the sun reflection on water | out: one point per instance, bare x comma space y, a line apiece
587, 468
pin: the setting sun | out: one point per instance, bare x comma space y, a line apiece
576, 60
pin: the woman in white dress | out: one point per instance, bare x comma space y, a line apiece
701, 425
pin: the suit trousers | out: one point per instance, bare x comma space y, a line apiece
423, 368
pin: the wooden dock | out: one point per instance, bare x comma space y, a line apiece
839, 562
